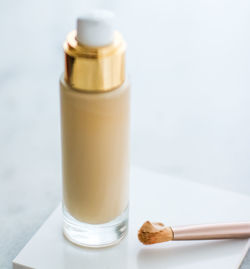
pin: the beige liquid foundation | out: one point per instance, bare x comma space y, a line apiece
95, 133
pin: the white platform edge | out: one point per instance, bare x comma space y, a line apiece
244, 253
16, 265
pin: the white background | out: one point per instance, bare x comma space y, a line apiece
189, 63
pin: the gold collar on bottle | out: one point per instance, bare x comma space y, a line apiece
94, 68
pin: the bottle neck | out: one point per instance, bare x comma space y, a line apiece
97, 69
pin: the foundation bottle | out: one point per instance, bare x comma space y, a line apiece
95, 101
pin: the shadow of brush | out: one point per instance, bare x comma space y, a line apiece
191, 253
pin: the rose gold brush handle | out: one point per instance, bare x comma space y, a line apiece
212, 231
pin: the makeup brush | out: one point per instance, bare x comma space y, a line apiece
152, 233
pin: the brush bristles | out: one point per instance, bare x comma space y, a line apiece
152, 233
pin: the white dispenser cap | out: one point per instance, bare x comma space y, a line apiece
96, 28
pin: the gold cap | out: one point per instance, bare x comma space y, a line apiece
94, 68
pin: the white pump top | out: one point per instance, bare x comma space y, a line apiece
96, 28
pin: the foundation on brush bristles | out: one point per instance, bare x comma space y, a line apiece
152, 233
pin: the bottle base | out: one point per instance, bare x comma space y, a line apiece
95, 235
